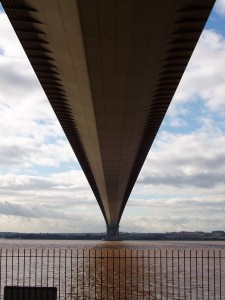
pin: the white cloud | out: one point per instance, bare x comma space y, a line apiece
204, 78
220, 7
66, 185
190, 162
31, 138
30, 133
77, 223
61, 202
9, 39
25, 152
174, 214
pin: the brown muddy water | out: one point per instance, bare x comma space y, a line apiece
116, 270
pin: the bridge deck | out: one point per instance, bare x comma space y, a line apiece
109, 69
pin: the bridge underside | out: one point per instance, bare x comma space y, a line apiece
109, 69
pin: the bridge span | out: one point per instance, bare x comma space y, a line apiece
109, 69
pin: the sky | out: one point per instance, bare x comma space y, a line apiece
181, 186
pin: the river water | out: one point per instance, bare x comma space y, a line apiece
80, 245
116, 270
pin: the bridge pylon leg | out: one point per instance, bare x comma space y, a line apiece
112, 233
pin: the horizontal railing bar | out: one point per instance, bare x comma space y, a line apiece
120, 257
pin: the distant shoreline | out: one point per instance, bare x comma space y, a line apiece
126, 236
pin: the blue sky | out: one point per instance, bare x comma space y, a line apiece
181, 185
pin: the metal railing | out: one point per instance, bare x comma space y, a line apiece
117, 274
